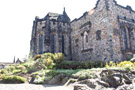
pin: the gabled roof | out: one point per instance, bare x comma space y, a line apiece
51, 16
58, 17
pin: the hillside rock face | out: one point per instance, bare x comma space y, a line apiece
108, 80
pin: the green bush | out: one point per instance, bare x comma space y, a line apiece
47, 60
16, 71
3, 71
79, 64
47, 55
1, 76
50, 72
49, 63
13, 79
21, 67
10, 68
34, 67
37, 57
58, 57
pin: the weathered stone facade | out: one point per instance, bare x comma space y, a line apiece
107, 32
51, 34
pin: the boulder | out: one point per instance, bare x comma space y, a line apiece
126, 79
89, 82
38, 80
114, 79
81, 87
58, 79
125, 87
102, 83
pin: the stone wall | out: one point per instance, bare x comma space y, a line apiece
107, 32
104, 33
51, 34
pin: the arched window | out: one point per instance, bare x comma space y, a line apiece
41, 43
98, 35
53, 43
125, 38
86, 38
63, 44
85, 34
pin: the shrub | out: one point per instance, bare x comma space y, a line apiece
21, 67
16, 71
126, 65
11, 68
13, 79
79, 64
37, 57
3, 71
50, 73
82, 74
34, 67
1, 76
58, 57
49, 63
47, 55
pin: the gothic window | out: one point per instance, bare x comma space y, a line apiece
125, 38
53, 43
40, 22
63, 24
132, 35
43, 27
133, 20
76, 42
86, 38
82, 41
63, 44
41, 43
54, 22
98, 35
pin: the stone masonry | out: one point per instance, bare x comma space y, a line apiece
107, 32
52, 34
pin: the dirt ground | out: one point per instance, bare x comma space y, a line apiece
32, 87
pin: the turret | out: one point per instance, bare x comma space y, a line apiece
65, 16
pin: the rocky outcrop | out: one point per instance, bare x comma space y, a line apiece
108, 80
105, 80
81, 87
58, 79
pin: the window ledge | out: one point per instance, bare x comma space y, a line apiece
86, 50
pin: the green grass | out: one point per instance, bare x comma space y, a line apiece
13, 79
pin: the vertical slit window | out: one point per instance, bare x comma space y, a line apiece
41, 44
63, 44
53, 43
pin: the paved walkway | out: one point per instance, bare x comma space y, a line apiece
32, 87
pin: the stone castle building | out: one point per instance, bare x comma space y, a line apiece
107, 32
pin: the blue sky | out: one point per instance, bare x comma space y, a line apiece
16, 19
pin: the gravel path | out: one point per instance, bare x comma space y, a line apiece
32, 87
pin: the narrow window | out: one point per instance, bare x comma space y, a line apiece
76, 42
63, 24
98, 35
86, 38
41, 43
53, 43
63, 45
54, 22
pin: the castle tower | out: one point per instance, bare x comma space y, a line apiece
51, 34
